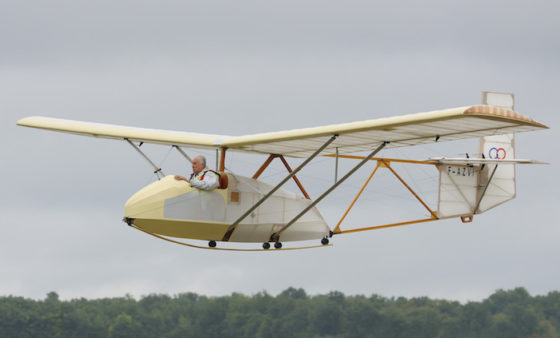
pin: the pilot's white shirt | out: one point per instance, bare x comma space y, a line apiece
209, 182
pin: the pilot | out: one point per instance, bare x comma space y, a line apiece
202, 177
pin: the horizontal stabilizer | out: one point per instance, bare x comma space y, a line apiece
470, 161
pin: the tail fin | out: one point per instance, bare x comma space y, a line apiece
467, 189
496, 183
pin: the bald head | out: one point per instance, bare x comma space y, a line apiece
198, 164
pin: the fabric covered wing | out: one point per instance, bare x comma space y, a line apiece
406, 130
111, 131
401, 131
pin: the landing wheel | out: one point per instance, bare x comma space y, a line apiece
325, 241
212, 244
278, 245
266, 245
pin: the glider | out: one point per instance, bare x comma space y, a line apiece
253, 211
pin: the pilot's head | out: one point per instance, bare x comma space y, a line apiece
198, 164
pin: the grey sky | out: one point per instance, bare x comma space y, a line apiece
248, 66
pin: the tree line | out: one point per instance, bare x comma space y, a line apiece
292, 313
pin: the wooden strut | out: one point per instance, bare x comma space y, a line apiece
337, 228
400, 160
224, 249
264, 166
388, 166
275, 236
385, 162
267, 163
294, 177
222, 167
387, 225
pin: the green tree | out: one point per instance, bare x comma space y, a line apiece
125, 326
292, 313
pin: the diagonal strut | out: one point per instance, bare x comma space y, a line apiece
276, 235
231, 228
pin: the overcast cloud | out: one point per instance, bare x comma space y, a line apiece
250, 66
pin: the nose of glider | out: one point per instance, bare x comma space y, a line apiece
148, 202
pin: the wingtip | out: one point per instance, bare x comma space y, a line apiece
497, 112
28, 121
23, 122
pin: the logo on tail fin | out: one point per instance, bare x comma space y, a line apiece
497, 153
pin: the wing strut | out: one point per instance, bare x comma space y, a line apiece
276, 236
157, 170
183, 153
485, 188
336, 167
273, 190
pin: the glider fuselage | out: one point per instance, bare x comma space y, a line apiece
173, 208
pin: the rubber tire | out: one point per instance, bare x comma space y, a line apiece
325, 241
278, 245
212, 244
266, 245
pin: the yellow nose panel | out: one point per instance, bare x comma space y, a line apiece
183, 229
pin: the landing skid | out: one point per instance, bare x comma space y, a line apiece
224, 249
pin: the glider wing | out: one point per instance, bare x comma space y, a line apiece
400, 131
111, 131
